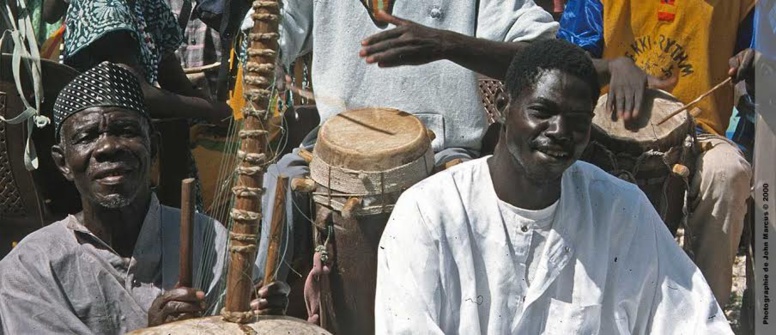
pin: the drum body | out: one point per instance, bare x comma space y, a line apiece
215, 325
362, 161
658, 158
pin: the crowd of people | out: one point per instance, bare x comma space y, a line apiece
528, 240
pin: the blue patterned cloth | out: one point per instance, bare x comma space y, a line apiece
150, 22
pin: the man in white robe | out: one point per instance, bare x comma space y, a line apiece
531, 241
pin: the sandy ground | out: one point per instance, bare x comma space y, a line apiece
733, 308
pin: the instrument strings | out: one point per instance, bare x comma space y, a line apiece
223, 199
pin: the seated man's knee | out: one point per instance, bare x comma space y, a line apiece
724, 166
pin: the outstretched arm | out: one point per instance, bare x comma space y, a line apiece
161, 102
411, 43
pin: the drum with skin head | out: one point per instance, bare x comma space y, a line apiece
658, 158
361, 163
215, 325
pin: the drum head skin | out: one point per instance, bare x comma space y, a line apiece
372, 139
215, 325
657, 105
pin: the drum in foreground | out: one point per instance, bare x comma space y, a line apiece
362, 161
215, 325
658, 158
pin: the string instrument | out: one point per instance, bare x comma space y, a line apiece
252, 159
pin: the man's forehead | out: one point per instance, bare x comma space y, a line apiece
95, 115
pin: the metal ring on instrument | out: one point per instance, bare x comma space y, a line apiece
265, 68
257, 93
242, 215
251, 158
263, 37
247, 238
265, 17
247, 192
265, 4
255, 80
252, 133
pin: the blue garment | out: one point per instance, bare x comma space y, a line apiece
582, 24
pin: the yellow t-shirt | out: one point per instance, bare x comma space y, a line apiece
688, 39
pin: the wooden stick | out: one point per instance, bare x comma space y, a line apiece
276, 230
697, 100
198, 69
187, 219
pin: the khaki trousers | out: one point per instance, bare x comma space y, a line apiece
718, 194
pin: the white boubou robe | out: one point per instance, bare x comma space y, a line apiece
609, 265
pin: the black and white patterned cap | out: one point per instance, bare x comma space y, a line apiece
105, 85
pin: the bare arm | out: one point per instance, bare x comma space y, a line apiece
162, 103
483, 56
414, 44
172, 77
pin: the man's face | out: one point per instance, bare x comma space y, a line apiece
107, 153
548, 125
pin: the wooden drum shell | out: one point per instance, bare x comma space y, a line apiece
367, 157
347, 306
646, 157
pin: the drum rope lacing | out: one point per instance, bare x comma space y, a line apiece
629, 176
342, 183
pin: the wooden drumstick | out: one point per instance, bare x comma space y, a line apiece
276, 230
697, 100
187, 220
352, 205
306, 155
198, 69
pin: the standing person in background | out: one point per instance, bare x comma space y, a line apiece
142, 36
201, 46
422, 61
684, 47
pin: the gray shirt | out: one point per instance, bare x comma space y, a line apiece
62, 279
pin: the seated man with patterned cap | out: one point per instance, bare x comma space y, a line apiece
532, 241
113, 267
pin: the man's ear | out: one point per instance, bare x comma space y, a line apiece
502, 104
156, 140
58, 154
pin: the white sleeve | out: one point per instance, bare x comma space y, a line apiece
683, 302
296, 27
671, 296
514, 21
408, 295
